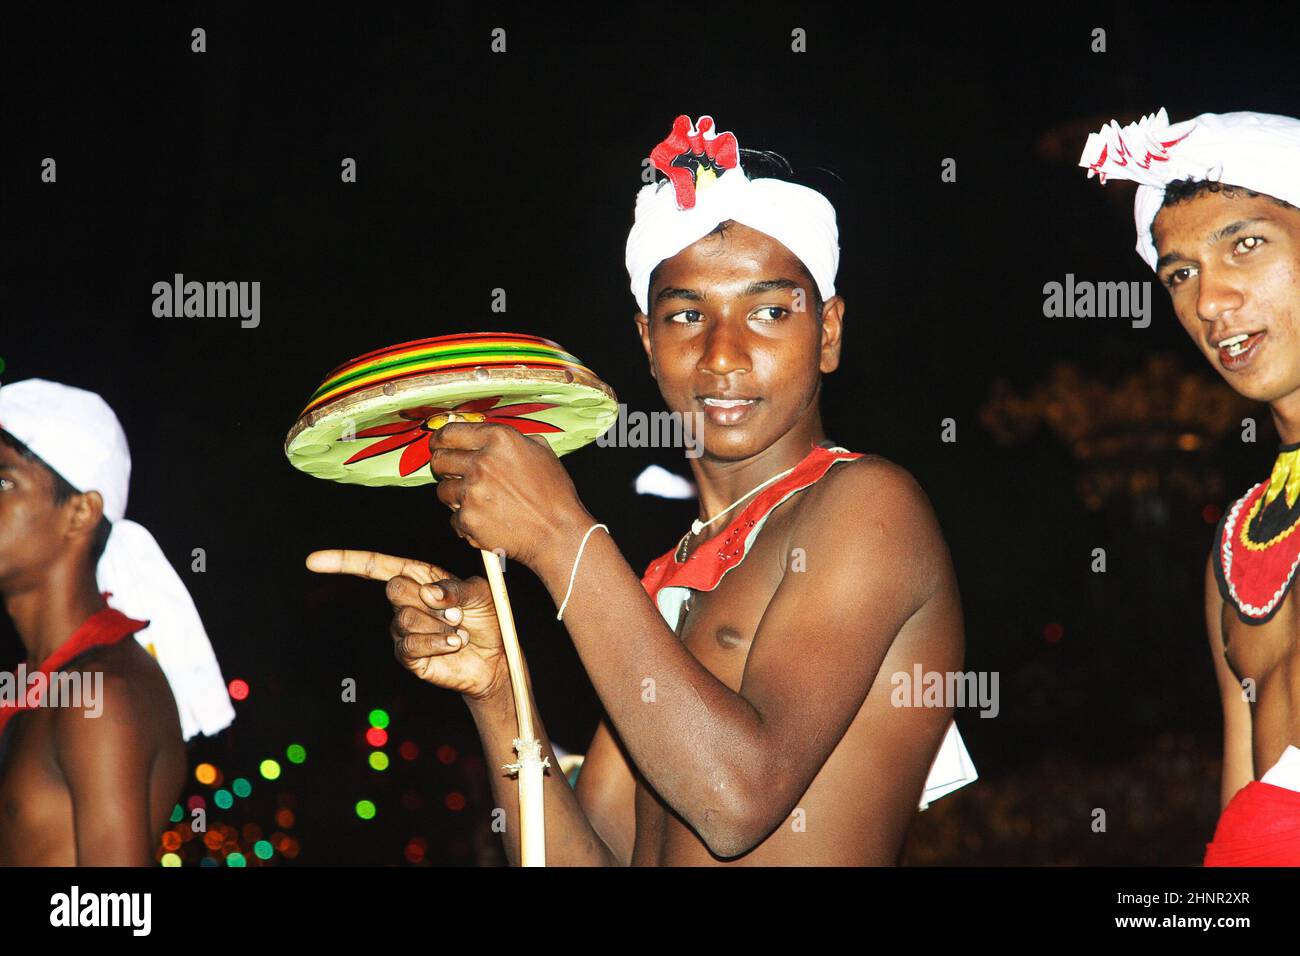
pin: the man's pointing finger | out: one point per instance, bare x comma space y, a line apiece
372, 565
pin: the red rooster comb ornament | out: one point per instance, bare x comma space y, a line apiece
694, 156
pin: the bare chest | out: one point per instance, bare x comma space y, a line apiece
1266, 659
718, 628
1259, 652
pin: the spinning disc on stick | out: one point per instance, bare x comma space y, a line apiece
369, 421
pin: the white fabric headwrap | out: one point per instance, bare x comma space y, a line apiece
1256, 151
76, 433
801, 219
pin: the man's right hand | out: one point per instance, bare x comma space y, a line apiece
444, 628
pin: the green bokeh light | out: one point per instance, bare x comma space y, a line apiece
379, 718
296, 753
378, 760
236, 859
242, 787
270, 769
365, 810
263, 849
224, 799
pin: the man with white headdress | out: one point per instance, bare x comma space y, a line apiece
1218, 220
751, 676
92, 726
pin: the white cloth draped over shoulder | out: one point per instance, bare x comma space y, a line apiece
76, 434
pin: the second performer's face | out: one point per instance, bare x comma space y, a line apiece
1231, 265
733, 315
30, 521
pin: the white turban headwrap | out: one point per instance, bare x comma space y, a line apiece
1255, 151
801, 219
76, 434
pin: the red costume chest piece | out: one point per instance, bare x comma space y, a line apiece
715, 556
1257, 551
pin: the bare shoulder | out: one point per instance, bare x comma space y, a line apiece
1212, 595
1214, 605
113, 673
875, 490
880, 507
125, 686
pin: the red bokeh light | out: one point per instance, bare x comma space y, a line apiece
415, 850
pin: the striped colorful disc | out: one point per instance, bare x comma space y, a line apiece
369, 421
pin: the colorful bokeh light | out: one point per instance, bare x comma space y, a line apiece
416, 847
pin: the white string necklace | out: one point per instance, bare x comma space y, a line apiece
697, 525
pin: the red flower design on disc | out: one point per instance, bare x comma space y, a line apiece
415, 426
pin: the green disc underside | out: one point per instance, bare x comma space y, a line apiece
382, 425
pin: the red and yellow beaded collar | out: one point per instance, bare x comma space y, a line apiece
1257, 550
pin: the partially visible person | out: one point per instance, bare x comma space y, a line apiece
90, 778
1217, 220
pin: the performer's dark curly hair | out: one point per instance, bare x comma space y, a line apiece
62, 491
1181, 190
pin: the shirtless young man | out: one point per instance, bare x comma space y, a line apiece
1218, 221
88, 785
751, 724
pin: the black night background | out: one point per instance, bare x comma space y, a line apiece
518, 171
